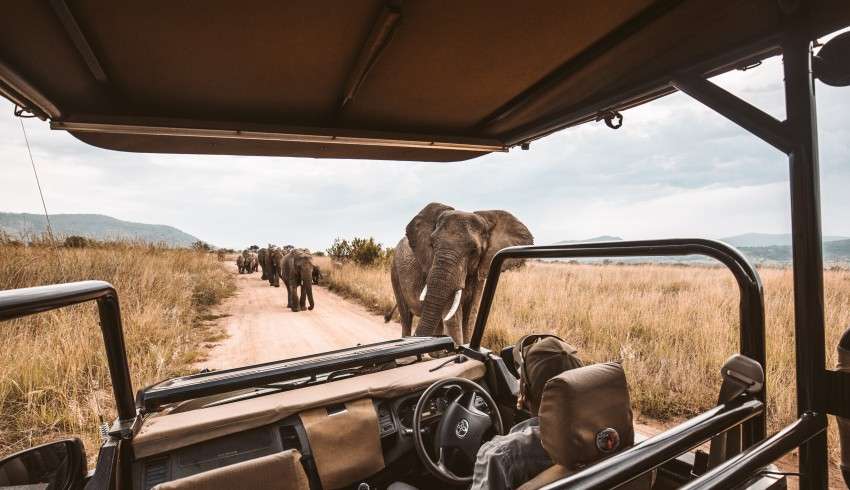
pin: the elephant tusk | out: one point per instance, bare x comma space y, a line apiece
455, 304
423, 293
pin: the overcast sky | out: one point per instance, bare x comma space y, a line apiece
674, 169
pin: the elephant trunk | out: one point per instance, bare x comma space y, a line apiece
442, 288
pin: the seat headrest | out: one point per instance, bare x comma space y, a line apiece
586, 415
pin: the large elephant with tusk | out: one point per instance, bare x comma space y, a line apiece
440, 266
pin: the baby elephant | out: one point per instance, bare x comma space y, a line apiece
297, 271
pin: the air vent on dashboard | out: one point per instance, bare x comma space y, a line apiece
156, 472
289, 438
385, 420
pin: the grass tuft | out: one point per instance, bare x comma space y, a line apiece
53, 375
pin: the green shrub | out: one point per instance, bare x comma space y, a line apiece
76, 241
201, 246
340, 250
365, 251
361, 251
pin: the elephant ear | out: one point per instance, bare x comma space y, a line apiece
419, 231
505, 231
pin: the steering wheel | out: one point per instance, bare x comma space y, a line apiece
462, 427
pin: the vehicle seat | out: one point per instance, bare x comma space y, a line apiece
585, 417
279, 471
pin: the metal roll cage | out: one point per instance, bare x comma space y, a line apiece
17, 303
819, 391
751, 306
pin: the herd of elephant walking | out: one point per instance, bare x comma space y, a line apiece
292, 265
437, 273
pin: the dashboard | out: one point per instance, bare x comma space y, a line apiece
398, 414
395, 425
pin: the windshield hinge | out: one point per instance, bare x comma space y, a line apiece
125, 429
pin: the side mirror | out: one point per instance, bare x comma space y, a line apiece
57, 465
832, 63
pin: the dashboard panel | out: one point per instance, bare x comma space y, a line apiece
395, 422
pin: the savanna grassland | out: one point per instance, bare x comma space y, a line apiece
673, 326
53, 376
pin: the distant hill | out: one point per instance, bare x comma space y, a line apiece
597, 239
95, 226
769, 239
757, 247
833, 251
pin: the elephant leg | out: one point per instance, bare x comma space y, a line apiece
406, 319
302, 301
471, 312
404, 311
293, 297
288, 294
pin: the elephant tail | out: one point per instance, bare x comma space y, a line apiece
388, 316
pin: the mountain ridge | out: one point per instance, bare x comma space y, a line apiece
760, 248
770, 239
92, 225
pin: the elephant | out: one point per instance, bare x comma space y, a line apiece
261, 259
270, 264
248, 262
317, 274
440, 266
297, 271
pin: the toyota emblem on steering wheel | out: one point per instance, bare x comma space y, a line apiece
462, 428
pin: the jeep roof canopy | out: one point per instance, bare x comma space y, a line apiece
422, 80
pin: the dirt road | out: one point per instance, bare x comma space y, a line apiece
260, 328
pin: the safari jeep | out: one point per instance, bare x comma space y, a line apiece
424, 81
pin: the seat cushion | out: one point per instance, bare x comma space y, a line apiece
276, 471
556, 472
586, 415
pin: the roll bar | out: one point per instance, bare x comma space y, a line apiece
629, 464
752, 336
17, 303
742, 467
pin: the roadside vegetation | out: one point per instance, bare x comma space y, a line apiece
360, 270
673, 326
361, 251
53, 376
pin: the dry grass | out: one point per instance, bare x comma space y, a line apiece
53, 375
672, 326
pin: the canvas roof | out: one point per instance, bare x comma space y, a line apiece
423, 80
